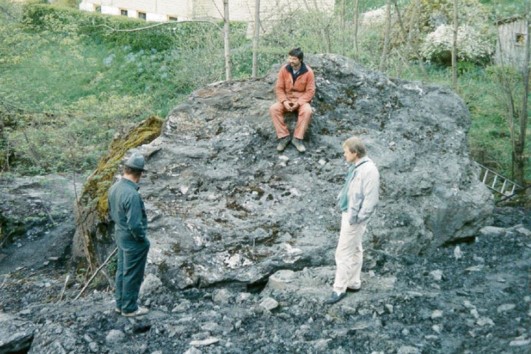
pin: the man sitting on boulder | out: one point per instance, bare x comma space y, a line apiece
294, 89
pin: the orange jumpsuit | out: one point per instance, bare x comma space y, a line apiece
301, 91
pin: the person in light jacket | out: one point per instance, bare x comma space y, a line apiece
295, 88
357, 201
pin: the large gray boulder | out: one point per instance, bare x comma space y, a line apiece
225, 207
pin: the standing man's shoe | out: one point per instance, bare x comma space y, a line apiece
298, 144
335, 297
282, 143
353, 290
141, 311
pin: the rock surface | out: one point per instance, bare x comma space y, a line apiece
243, 237
225, 207
36, 220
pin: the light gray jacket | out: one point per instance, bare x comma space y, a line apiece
363, 191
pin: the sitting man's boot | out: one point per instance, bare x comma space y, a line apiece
282, 143
298, 144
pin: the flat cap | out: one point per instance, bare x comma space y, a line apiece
136, 161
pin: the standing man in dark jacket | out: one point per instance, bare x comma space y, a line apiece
294, 89
127, 210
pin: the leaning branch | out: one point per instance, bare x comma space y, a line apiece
96, 272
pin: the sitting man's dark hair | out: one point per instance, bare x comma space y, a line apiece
297, 52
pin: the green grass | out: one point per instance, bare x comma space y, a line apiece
67, 86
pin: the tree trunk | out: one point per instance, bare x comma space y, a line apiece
406, 37
356, 26
454, 48
256, 37
226, 32
385, 51
519, 150
343, 15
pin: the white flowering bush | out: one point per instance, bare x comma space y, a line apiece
471, 45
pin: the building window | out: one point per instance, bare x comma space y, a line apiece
142, 15
520, 39
123, 12
172, 18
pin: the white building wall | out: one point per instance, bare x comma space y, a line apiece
110, 10
239, 10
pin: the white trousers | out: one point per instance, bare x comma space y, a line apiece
349, 255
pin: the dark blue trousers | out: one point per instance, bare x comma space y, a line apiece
132, 256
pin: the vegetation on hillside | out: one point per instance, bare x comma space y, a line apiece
71, 80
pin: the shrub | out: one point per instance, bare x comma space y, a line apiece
471, 45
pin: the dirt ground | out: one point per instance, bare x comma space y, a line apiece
470, 297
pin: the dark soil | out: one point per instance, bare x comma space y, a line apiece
469, 297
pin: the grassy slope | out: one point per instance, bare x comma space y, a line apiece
93, 89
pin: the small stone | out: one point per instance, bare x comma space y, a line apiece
485, 321
519, 342
458, 254
204, 342
389, 308
437, 274
506, 307
114, 336
475, 313
436, 314
269, 304
406, 349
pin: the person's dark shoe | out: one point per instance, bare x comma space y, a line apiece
298, 144
282, 143
352, 290
139, 312
335, 297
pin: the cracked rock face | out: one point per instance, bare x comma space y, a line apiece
225, 207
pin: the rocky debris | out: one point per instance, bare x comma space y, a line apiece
16, 335
225, 208
409, 304
243, 238
36, 213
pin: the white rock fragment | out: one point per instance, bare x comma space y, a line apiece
437, 274
492, 230
269, 304
436, 314
406, 349
476, 268
458, 254
506, 307
519, 342
114, 336
204, 342
485, 321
